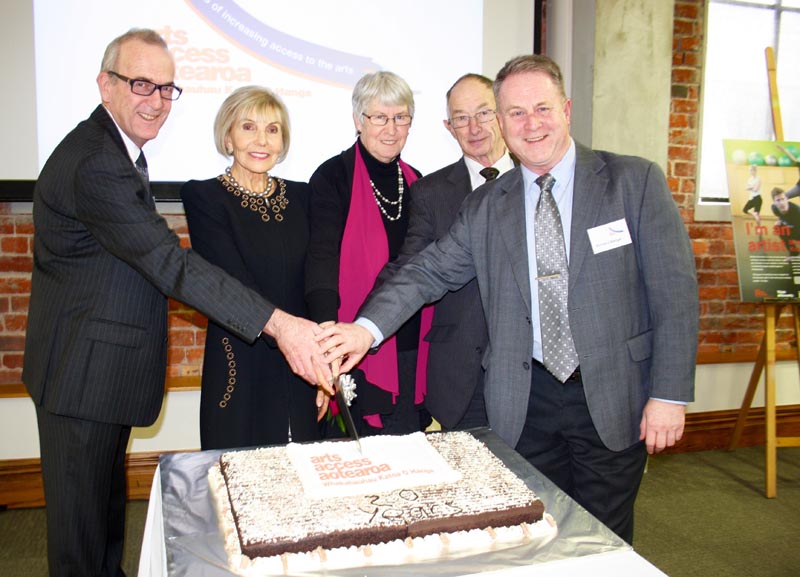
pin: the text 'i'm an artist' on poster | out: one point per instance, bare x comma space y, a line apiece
764, 185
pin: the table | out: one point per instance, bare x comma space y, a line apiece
181, 536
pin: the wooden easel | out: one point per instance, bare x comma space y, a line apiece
766, 352
766, 362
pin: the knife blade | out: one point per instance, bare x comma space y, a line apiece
345, 391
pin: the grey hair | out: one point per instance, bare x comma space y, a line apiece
530, 63
146, 35
386, 87
246, 100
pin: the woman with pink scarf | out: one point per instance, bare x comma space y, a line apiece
358, 221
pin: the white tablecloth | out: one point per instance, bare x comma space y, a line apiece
181, 536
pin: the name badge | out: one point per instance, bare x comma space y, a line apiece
609, 236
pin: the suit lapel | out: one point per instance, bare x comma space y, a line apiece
103, 118
589, 189
459, 178
511, 227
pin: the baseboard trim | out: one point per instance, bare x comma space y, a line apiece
21, 479
713, 429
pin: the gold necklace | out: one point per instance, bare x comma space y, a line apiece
260, 202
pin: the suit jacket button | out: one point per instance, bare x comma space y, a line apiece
526, 366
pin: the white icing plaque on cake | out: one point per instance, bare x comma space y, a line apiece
387, 463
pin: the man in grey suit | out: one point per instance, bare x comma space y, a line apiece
105, 262
458, 330
631, 301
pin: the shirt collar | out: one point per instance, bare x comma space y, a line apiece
133, 150
562, 172
503, 165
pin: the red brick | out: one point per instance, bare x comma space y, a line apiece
684, 76
12, 360
19, 304
181, 338
10, 377
14, 245
15, 285
16, 263
15, 323
194, 355
685, 106
24, 225
681, 26
12, 343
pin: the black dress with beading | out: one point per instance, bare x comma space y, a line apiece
249, 394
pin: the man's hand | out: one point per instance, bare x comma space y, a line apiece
662, 425
323, 400
296, 338
346, 343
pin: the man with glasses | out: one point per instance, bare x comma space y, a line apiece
587, 280
458, 331
105, 262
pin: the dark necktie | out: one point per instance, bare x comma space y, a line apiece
558, 348
489, 173
141, 167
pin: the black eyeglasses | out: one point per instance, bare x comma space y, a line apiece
146, 88
383, 120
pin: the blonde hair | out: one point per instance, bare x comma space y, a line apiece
246, 100
531, 63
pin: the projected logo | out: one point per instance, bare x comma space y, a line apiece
280, 49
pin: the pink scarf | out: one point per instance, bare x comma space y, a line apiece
364, 251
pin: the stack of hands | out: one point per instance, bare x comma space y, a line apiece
318, 353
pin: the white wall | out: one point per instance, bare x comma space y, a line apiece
717, 387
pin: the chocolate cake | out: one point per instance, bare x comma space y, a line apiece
273, 514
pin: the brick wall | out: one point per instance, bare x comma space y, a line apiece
729, 330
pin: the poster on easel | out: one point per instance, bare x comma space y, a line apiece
763, 178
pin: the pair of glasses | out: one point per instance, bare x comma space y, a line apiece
383, 120
462, 120
146, 88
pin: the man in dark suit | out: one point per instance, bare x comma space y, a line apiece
587, 412
458, 330
96, 343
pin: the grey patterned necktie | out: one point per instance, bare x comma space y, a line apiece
558, 349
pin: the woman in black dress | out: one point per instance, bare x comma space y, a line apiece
255, 227
359, 217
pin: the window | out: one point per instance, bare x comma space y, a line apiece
735, 91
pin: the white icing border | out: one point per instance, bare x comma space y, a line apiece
396, 552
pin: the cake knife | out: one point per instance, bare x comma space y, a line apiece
345, 393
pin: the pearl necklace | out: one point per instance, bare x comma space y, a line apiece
258, 201
381, 200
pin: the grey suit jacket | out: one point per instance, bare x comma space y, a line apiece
633, 310
104, 263
459, 329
